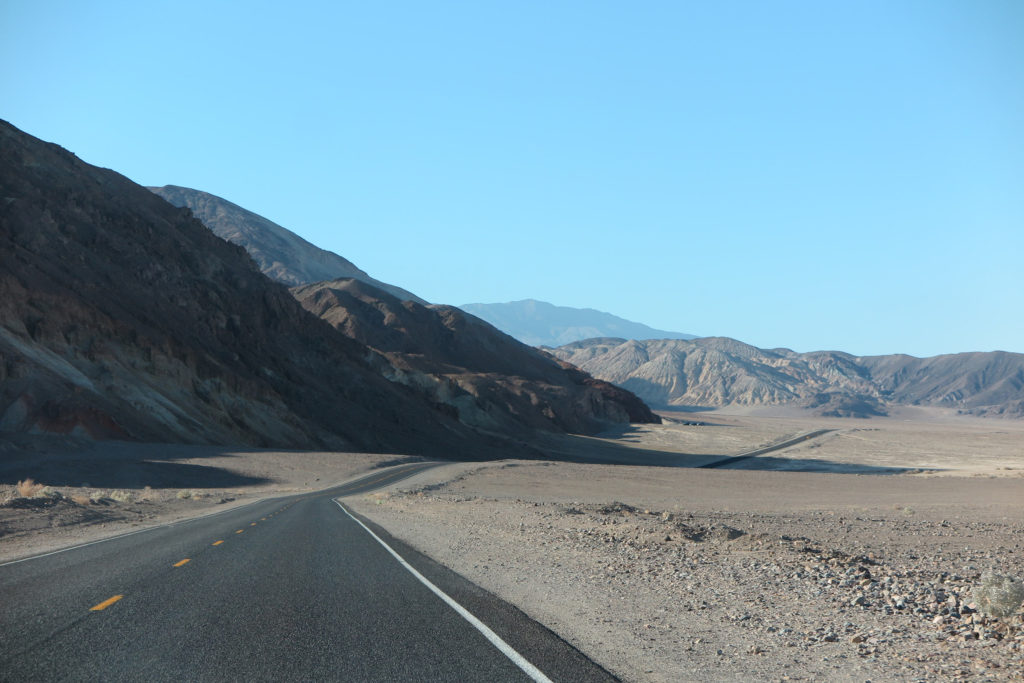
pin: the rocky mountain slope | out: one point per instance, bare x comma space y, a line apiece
279, 252
538, 323
982, 383
490, 380
122, 316
717, 371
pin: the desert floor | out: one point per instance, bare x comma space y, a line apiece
86, 491
857, 555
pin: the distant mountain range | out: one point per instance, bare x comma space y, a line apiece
539, 323
717, 371
125, 317
280, 253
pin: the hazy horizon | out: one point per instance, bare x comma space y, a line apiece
841, 177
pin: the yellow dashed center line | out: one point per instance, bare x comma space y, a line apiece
105, 604
110, 601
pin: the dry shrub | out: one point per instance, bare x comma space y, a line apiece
184, 494
29, 488
999, 595
97, 496
80, 500
122, 496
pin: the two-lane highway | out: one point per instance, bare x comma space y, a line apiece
284, 589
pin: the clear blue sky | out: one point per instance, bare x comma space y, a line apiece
816, 175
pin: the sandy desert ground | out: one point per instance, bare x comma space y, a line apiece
86, 491
857, 555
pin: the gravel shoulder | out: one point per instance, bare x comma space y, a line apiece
667, 574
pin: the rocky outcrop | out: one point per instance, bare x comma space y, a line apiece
485, 377
280, 253
717, 371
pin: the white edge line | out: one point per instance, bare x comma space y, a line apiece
506, 649
190, 519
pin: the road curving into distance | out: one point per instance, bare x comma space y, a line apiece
732, 460
285, 589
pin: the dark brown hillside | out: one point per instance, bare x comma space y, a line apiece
123, 316
486, 376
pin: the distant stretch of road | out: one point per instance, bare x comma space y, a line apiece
725, 462
286, 589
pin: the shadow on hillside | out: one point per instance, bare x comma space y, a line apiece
627, 432
667, 408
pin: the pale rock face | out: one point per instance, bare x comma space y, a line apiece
280, 254
716, 371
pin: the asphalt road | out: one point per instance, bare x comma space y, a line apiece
288, 589
725, 462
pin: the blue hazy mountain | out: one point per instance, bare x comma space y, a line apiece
539, 323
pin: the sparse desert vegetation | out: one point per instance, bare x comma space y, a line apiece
1000, 595
28, 488
122, 496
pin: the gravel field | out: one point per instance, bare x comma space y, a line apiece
795, 565
661, 592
